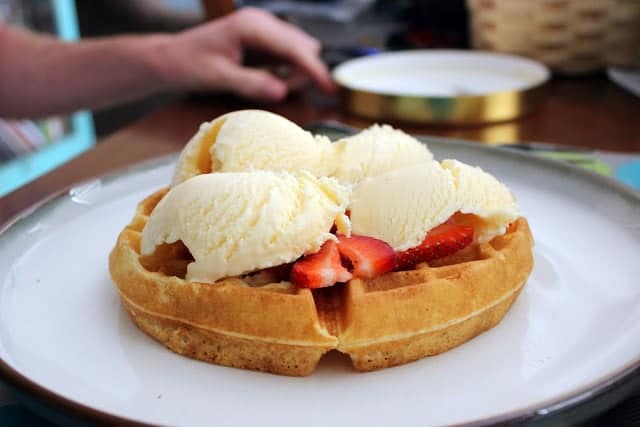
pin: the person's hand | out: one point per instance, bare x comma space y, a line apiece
210, 56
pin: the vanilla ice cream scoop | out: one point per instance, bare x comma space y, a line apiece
237, 222
400, 206
490, 205
253, 140
376, 150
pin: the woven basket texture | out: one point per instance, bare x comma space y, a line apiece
570, 36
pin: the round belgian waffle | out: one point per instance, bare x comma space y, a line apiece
280, 328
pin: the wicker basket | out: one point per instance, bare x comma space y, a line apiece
570, 36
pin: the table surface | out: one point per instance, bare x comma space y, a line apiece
580, 112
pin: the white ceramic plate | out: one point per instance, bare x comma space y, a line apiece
573, 332
440, 73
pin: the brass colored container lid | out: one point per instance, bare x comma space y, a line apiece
440, 86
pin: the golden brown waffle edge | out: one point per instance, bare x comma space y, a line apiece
279, 328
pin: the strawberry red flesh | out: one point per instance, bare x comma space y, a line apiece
441, 241
320, 269
368, 257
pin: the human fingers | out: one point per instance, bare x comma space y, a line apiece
250, 82
258, 29
295, 79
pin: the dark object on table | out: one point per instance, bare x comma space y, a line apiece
432, 24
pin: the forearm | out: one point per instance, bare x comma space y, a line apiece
40, 75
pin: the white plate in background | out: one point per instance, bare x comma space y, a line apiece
440, 73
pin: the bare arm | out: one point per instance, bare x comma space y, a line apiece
42, 76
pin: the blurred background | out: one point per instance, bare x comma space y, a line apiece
347, 28
571, 36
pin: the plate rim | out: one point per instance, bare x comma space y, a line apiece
545, 72
541, 412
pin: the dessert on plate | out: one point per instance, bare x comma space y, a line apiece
273, 246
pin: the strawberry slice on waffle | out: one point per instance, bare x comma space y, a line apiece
440, 241
355, 256
367, 257
320, 269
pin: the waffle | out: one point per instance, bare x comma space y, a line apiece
277, 327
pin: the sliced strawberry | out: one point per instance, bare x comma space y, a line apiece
440, 242
368, 257
321, 269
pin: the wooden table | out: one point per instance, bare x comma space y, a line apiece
585, 112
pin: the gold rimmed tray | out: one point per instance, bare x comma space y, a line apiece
440, 86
